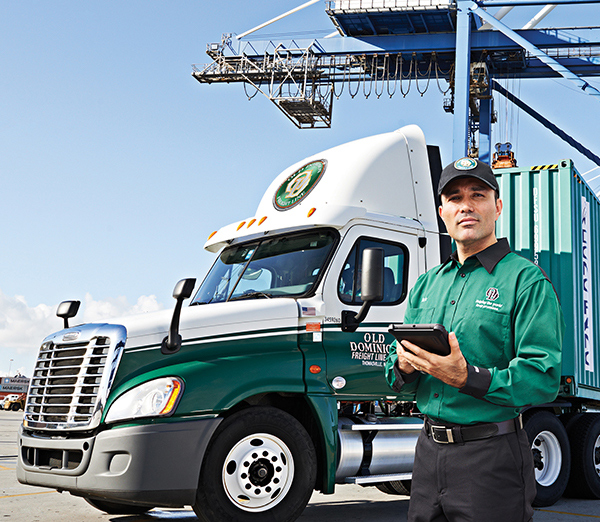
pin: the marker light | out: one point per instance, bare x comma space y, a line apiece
252, 221
241, 225
157, 398
311, 212
314, 369
262, 220
212, 234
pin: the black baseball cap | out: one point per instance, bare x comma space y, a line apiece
467, 168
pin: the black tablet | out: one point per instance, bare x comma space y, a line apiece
430, 337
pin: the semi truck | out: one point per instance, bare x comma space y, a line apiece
270, 383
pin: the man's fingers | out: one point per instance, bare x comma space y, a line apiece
454, 346
410, 348
415, 356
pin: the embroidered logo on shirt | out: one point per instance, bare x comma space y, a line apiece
492, 294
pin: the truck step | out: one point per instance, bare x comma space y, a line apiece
382, 427
373, 479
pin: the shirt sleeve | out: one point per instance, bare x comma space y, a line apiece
402, 383
533, 375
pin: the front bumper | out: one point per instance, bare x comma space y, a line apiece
156, 464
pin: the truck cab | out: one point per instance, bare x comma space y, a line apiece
267, 386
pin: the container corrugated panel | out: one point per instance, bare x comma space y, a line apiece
552, 217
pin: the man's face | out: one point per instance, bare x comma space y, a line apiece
469, 209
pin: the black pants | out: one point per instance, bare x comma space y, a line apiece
490, 480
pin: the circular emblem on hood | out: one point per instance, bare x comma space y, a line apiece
297, 186
465, 164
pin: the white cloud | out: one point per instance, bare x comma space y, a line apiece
117, 307
23, 327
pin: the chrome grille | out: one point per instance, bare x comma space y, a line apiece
72, 377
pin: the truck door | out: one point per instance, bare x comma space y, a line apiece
355, 361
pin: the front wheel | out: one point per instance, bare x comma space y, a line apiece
259, 466
551, 456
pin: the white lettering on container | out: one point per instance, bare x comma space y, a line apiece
588, 316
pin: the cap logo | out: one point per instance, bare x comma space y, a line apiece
465, 164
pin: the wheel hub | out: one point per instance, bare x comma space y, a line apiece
547, 458
258, 472
261, 472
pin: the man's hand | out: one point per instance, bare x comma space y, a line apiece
403, 364
451, 369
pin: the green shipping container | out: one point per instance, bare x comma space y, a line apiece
552, 217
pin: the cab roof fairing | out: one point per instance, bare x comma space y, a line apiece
377, 174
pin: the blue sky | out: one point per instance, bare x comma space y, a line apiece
116, 164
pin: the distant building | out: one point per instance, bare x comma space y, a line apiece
10, 385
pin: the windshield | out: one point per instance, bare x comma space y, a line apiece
282, 266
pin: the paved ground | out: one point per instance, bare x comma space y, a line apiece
20, 503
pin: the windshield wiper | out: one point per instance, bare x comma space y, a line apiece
250, 295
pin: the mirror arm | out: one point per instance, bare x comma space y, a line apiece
172, 343
351, 320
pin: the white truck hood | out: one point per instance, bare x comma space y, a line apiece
202, 322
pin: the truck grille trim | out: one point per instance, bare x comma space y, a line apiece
51, 459
71, 380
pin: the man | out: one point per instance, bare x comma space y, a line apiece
473, 461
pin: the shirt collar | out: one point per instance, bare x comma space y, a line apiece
488, 258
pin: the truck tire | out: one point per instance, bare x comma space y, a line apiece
551, 456
15, 407
584, 436
395, 487
116, 508
259, 466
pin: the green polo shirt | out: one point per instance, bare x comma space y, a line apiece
509, 325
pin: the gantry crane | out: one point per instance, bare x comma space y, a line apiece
384, 47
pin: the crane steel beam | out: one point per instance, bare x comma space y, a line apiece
460, 124
502, 3
529, 47
493, 40
276, 19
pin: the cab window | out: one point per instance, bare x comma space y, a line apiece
395, 272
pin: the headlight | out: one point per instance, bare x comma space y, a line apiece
156, 398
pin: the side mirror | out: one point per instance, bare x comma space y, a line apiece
372, 275
183, 290
66, 310
372, 288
